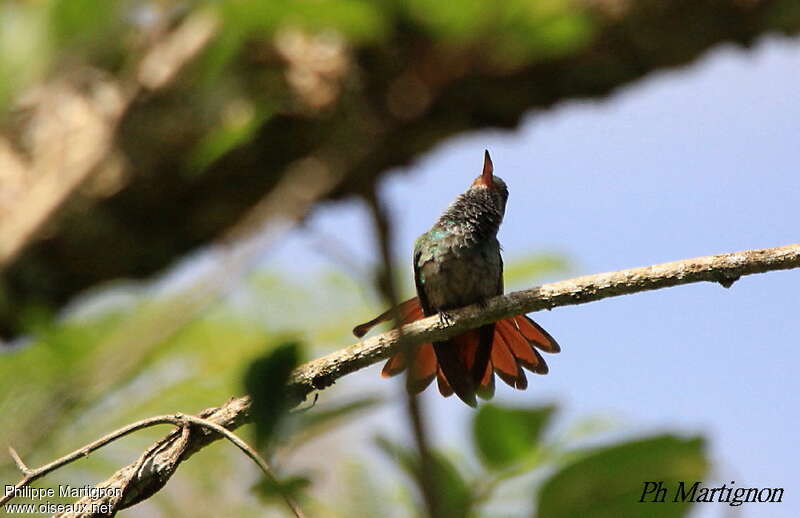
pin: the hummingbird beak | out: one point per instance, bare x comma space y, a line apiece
486, 177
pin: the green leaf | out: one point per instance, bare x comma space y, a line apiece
453, 494
265, 381
505, 436
608, 482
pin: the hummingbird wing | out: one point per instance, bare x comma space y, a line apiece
451, 354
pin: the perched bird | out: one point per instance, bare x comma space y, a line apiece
458, 263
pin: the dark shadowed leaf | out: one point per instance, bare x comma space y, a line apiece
609, 482
453, 494
271, 490
265, 381
504, 436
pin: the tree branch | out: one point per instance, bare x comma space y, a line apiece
724, 269
385, 281
179, 420
151, 471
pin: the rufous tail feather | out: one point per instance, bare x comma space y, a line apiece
463, 365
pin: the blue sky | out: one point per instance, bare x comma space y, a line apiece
689, 162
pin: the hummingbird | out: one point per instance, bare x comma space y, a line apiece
458, 263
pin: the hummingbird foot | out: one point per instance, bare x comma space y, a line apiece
445, 318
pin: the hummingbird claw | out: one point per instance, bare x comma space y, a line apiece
445, 318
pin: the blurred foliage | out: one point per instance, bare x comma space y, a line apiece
518, 32
599, 482
65, 387
505, 436
36, 36
454, 493
73, 379
354, 88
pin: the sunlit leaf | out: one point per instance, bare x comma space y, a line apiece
505, 436
609, 482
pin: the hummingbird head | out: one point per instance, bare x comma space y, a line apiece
494, 185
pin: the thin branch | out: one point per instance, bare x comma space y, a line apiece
163, 458
32, 475
179, 420
250, 452
18, 461
386, 284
